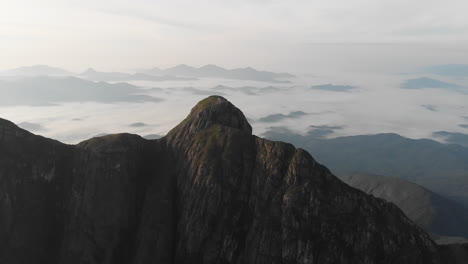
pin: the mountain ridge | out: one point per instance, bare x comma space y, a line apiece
215, 71
181, 72
92, 74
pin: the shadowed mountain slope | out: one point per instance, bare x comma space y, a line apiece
432, 212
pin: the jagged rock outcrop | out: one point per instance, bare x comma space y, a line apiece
208, 192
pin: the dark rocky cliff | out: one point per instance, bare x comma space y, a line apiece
209, 192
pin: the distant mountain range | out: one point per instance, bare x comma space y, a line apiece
94, 75
178, 73
213, 71
445, 219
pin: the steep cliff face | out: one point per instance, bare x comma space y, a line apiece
209, 192
33, 171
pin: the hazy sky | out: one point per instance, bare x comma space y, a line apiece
277, 35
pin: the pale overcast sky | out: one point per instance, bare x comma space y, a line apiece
269, 34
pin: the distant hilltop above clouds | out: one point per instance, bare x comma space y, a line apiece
180, 72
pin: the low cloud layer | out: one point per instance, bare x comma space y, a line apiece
380, 106
288, 135
138, 124
453, 137
32, 127
323, 131
334, 88
326, 127
279, 117
94, 75
152, 136
201, 91
248, 90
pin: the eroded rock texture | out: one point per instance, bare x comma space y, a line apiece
209, 192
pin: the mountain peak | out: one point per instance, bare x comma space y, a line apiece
212, 67
89, 71
214, 110
209, 193
183, 67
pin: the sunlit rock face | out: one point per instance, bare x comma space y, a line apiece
208, 192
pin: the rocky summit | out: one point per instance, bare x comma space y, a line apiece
208, 192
